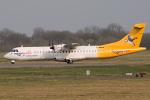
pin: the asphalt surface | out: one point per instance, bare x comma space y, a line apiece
49, 65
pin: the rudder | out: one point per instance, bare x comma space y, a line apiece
135, 35
133, 39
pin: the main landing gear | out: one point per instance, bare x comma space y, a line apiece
69, 61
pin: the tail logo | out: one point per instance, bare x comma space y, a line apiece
130, 40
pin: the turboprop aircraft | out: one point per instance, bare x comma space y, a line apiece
73, 52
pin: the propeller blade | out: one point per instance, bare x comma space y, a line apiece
49, 43
52, 43
52, 47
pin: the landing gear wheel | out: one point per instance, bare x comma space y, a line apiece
12, 62
69, 61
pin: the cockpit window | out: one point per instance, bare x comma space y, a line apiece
14, 50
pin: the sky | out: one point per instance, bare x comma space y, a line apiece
24, 16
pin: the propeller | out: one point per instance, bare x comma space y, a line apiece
52, 47
49, 43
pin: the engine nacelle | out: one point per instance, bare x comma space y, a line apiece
61, 47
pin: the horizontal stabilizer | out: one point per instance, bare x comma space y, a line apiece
141, 25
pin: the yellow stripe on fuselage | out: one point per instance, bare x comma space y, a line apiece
114, 51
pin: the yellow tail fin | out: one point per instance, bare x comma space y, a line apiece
133, 39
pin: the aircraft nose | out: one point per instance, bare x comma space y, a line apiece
6, 56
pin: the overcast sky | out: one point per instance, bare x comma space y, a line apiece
25, 15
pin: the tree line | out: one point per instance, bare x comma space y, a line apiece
92, 35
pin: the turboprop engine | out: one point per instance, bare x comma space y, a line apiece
64, 47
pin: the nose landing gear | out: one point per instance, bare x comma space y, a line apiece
12, 61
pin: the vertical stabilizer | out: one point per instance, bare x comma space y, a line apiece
133, 39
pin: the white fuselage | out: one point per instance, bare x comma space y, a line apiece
45, 53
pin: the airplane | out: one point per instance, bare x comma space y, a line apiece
74, 52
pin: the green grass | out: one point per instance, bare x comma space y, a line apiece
19, 83
69, 72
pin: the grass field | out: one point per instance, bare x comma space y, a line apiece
71, 83
63, 83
